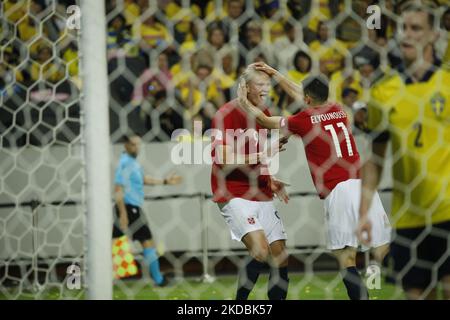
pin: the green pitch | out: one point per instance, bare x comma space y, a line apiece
301, 287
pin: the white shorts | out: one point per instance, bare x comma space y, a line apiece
342, 215
244, 216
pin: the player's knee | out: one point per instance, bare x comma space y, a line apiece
380, 252
261, 253
346, 258
349, 261
280, 258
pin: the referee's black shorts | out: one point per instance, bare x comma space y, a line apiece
420, 257
137, 224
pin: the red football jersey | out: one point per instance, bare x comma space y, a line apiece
246, 182
329, 145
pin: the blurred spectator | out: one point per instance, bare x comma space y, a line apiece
10, 72
48, 20
254, 44
321, 10
298, 8
302, 66
9, 80
216, 37
330, 51
67, 48
273, 27
228, 74
359, 77
28, 28
287, 46
344, 79
366, 65
70, 56
349, 97
119, 41
131, 12
217, 43
153, 34
170, 118
200, 79
14, 10
181, 17
234, 9
155, 106
356, 110
190, 42
360, 117
159, 77
47, 67
349, 30
212, 13
190, 58
202, 91
122, 85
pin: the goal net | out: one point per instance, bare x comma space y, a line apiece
170, 66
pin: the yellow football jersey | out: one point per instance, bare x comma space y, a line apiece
297, 76
330, 53
338, 83
417, 116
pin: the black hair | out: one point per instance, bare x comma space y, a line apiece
119, 16
347, 91
317, 88
126, 138
303, 54
288, 26
217, 25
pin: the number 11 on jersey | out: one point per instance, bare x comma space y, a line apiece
337, 146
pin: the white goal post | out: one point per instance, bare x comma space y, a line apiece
97, 150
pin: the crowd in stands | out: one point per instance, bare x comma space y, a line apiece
170, 65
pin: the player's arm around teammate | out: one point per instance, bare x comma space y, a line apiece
295, 91
246, 204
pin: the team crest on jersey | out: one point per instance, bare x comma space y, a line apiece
438, 103
251, 220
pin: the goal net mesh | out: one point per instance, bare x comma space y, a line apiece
171, 66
